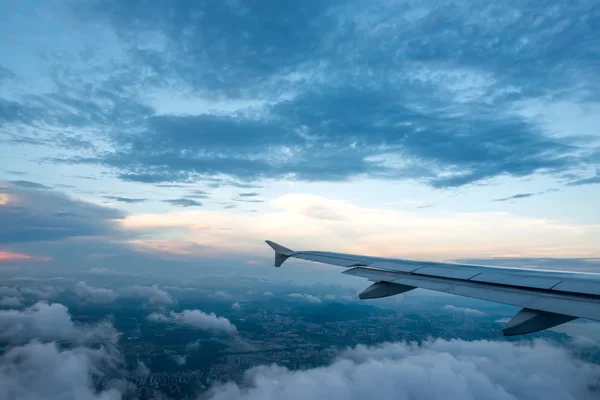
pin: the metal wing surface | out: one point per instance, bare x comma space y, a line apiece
547, 298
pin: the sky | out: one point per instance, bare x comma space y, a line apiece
149, 135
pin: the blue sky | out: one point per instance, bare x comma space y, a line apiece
192, 131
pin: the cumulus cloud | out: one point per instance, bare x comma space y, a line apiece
179, 359
44, 292
34, 366
10, 302
153, 294
221, 294
196, 319
44, 371
49, 322
436, 369
9, 291
463, 310
308, 297
93, 294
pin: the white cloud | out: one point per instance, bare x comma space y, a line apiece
195, 345
48, 322
462, 310
10, 302
44, 371
93, 294
250, 292
221, 294
179, 359
435, 370
43, 292
196, 319
153, 294
329, 297
267, 294
141, 369
308, 297
236, 305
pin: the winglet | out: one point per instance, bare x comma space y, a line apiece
281, 253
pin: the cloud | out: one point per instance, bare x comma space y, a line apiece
184, 202
236, 306
179, 359
221, 294
248, 194
436, 369
125, 199
49, 322
460, 232
587, 181
9, 256
308, 297
9, 291
29, 185
516, 196
267, 294
10, 302
46, 371
153, 294
107, 271
461, 310
180, 289
338, 99
32, 215
330, 297
196, 319
93, 294
44, 292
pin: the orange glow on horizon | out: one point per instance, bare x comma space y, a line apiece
10, 256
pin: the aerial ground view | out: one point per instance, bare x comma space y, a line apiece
299, 199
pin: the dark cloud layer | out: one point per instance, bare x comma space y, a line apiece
125, 199
334, 89
32, 215
184, 202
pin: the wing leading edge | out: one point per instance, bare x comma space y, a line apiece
547, 298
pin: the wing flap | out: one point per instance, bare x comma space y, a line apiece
582, 286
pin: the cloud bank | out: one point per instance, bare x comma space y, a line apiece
48, 322
434, 370
93, 294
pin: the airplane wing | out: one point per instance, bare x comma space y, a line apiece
547, 298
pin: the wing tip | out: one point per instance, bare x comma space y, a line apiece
281, 253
